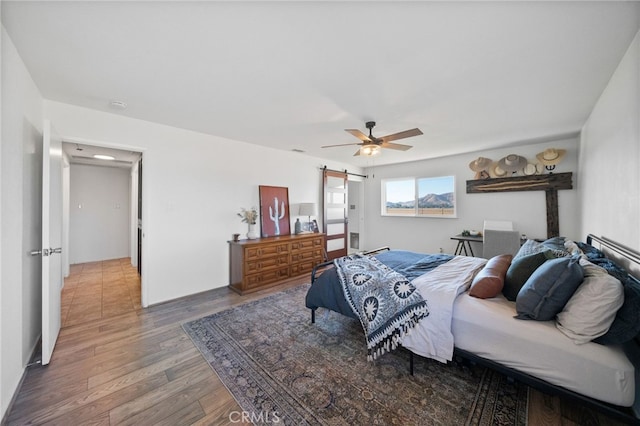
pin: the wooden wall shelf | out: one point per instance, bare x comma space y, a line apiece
550, 183
521, 183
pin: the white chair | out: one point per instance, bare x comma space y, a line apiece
496, 242
498, 225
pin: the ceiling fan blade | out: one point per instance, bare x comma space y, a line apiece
357, 153
398, 146
358, 134
401, 135
342, 144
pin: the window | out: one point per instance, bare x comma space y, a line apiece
423, 197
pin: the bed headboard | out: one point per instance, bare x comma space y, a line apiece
625, 256
629, 259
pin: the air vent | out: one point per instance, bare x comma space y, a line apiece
119, 105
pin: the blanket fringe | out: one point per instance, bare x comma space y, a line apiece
391, 340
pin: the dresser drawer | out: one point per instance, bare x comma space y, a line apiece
266, 263
266, 277
305, 255
259, 252
303, 267
301, 245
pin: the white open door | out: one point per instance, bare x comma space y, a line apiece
51, 239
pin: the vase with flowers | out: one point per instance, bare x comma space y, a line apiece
250, 217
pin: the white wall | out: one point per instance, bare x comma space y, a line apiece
428, 235
610, 157
193, 186
98, 213
21, 186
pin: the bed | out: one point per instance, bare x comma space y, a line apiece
484, 330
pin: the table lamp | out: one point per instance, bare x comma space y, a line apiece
307, 209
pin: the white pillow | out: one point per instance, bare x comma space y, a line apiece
592, 308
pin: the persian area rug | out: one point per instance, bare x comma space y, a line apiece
283, 369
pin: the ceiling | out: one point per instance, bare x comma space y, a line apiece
294, 75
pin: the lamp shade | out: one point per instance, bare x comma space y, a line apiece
307, 209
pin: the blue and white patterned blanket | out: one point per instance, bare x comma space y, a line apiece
386, 303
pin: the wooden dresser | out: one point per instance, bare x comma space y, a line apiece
264, 262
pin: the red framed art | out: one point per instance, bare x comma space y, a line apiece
274, 211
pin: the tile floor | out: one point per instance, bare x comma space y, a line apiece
99, 290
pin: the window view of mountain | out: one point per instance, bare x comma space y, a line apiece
428, 201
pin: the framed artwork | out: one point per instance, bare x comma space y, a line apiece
274, 211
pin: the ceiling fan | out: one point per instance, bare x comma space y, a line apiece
371, 145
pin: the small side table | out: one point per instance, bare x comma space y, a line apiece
464, 243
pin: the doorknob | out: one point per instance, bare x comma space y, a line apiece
46, 252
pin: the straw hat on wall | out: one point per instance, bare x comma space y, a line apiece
530, 169
480, 164
495, 171
551, 156
512, 163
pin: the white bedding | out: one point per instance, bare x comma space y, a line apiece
432, 337
487, 328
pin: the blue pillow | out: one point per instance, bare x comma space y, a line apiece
549, 288
555, 243
626, 325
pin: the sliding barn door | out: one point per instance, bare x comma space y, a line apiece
335, 203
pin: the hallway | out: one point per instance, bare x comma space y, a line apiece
98, 290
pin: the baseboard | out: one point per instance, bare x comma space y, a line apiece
34, 359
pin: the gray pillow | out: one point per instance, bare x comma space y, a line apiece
532, 246
520, 271
549, 288
529, 247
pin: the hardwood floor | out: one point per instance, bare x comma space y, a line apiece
100, 290
118, 364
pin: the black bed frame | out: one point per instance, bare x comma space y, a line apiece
632, 349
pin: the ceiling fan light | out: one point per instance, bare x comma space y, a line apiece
370, 150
